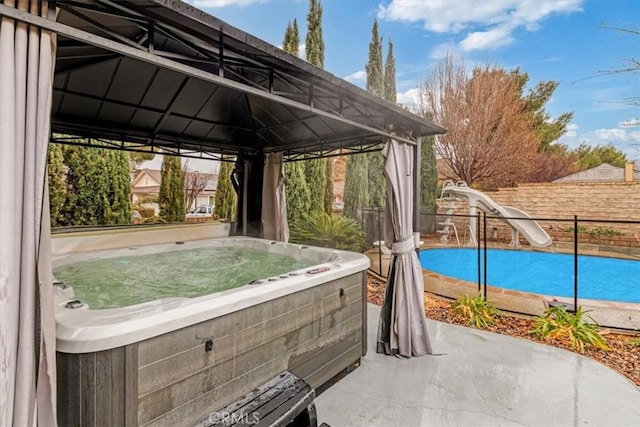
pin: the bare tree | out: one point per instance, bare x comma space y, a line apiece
631, 65
555, 162
491, 139
195, 183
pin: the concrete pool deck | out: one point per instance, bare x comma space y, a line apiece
481, 379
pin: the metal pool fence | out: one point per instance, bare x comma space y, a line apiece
570, 235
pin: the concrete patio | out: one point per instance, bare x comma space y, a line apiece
480, 379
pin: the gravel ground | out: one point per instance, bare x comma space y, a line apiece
622, 356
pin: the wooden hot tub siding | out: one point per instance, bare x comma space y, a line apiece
172, 379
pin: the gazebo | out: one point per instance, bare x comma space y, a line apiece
140, 75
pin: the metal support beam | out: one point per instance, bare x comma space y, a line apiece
221, 50
151, 37
135, 148
416, 189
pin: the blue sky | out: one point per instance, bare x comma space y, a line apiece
563, 40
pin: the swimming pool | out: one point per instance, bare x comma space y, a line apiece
600, 278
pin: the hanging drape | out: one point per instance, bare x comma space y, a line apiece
274, 209
27, 331
402, 328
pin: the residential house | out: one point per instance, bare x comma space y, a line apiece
145, 188
604, 173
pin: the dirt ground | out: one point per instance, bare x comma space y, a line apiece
622, 355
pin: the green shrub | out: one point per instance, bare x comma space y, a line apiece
581, 229
154, 220
597, 231
609, 232
476, 311
328, 231
558, 323
145, 212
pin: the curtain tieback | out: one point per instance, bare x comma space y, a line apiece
403, 246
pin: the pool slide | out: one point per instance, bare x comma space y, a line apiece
516, 218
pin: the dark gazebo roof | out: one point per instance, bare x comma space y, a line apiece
162, 73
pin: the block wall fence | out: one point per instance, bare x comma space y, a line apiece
606, 201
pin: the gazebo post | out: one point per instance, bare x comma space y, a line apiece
249, 169
416, 192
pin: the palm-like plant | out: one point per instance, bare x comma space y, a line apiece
328, 231
476, 311
558, 323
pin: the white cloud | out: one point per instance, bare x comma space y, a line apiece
572, 130
490, 39
632, 122
613, 135
483, 24
623, 139
223, 3
358, 76
409, 99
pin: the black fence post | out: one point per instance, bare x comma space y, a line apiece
484, 241
478, 245
575, 263
380, 242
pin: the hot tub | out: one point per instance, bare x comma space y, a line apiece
174, 360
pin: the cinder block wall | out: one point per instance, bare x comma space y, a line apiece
607, 200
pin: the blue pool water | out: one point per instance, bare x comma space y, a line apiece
544, 273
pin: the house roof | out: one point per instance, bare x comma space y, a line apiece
152, 173
602, 173
163, 74
156, 175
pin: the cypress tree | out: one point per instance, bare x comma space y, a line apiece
356, 190
171, 196
56, 172
225, 194
291, 43
375, 78
390, 93
314, 43
296, 191
85, 186
328, 186
118, 206
97, 187
315, 173
315, 170
376, 182
295, 38
428, 175
375, 85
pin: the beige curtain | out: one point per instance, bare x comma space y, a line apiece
402, 328
274, 208
27, 335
